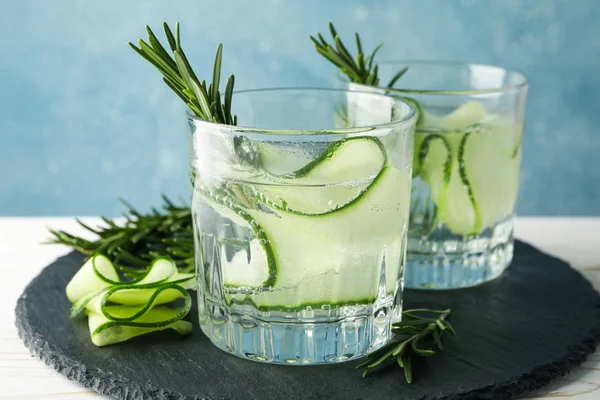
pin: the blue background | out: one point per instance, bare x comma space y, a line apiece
84, 120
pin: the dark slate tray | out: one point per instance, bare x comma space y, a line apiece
527, 328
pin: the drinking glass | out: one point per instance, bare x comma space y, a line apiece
467, 157
300, 218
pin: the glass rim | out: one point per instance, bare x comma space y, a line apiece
334, 132
524, 81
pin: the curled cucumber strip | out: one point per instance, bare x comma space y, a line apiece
99, 272
173, 291
106, 332
119, 310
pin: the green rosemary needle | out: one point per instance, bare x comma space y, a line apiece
417, 325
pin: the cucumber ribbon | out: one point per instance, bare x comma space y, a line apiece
120, 310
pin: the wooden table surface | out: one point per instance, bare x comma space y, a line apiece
575, 240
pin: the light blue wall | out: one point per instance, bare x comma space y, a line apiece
83, 120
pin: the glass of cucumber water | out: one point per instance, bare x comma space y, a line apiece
300, 219
466, 163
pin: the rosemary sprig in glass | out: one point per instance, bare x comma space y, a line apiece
203, 101
179, 76
417, 325
360, 69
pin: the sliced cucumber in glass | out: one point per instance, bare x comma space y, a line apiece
472, 168
331, 181
329, 258
319, 255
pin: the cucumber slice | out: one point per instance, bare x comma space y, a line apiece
491, 178
139, 295
105, 331
320, 255
482, 185
435, 159
98, 274
440, 170
329, 258
331, 181
473, 174
248, 268
468, 114
507, 134
483, 181
455, 205
118, 311
254, 270
278, 160
419, 138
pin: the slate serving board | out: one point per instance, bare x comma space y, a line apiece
517, 333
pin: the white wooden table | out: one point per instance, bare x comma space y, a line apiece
22, 257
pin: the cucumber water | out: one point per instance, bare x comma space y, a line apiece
318, 236
300, 233
470, 165
464, 190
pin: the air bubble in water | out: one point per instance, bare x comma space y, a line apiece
262, 242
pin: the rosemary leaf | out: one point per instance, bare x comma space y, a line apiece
217, 75
201, 96
343, 52
155, 43
397, 76
228, 97
407, 366
177, 91
358, 43
177, 37
170, 37
165, 68
183, 69
416, 326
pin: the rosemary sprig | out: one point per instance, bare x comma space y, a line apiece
360, 69
179, 76
133, 243
417, 325
204, 101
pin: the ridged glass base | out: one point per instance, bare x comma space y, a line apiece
458, 263
306, 337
